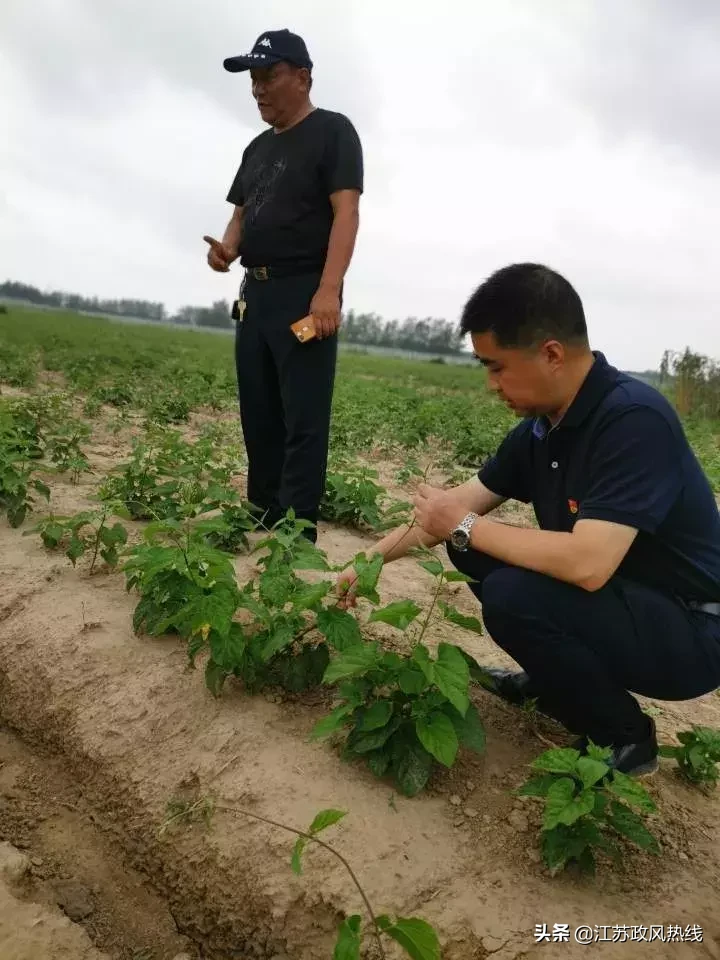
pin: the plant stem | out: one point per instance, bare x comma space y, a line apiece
440, 580
98, 534
326, 846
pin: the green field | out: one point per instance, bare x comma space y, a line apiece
391, 406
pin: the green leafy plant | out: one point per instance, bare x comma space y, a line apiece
239, 521
20, 452
63, 448
697, 756
353, 498
401, 713
415, 936
164, 472
168, 408
185, 585
86, 532
273, 644
587, 806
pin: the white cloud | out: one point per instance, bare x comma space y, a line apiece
492, 133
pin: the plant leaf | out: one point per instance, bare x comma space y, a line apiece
399, 614
368, 574
332, 722
376, 715
280, 637
433, 567
460, 619
631, 792
470, 729
415, 936
353, 662
347, 946
412, 681
591, 770
325, 819
627, 823
339, 627
365, 742
437, 734
215, 677
421, 656
595, 752
454, 576
310, 596
562, 806
452, 676
557, 760
412, 766
536, 786
379, 762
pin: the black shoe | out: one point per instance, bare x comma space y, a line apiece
635, 759
512, 686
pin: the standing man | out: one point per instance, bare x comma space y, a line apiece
619, 589
296, 197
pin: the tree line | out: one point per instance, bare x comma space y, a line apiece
427, 335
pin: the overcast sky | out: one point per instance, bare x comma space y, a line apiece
585, 135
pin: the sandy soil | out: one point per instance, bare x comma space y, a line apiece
130, 726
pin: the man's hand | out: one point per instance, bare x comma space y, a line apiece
325, 310
437, 511
345, 588
219, 256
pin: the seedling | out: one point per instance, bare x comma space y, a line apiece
353, 498
86, 532
587, 805
697, 756
20, 451
401, 713
273, 645
417, 938
185, 585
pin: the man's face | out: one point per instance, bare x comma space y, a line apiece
278, 91
527, 379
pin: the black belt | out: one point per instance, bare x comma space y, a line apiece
712, 608
277, 273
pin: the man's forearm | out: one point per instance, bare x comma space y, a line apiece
555, 554
233, 234
340, 248
399, 542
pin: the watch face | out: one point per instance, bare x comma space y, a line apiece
459, 538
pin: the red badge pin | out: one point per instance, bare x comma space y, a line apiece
573, 504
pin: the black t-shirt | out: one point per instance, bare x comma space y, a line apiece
620, 454
284, 185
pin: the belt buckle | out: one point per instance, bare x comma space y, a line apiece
260, 273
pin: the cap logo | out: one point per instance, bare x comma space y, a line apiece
265, 42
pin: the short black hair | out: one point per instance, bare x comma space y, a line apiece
524, 304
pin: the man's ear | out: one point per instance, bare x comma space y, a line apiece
554, 353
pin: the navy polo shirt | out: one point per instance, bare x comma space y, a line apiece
619, 454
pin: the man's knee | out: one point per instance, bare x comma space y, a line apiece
511, 592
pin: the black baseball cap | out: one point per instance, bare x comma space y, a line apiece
272, 47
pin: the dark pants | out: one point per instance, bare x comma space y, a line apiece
584, 651
285, 390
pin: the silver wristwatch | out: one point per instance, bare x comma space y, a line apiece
460, 536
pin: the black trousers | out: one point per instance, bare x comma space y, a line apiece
585, 651
285, 389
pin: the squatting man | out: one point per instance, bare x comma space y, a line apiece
619, 588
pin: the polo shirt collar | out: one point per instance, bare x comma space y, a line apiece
600, 380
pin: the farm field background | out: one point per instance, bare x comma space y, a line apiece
131, 726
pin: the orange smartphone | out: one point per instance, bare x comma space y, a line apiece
304, 329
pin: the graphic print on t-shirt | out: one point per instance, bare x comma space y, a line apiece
265, 179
